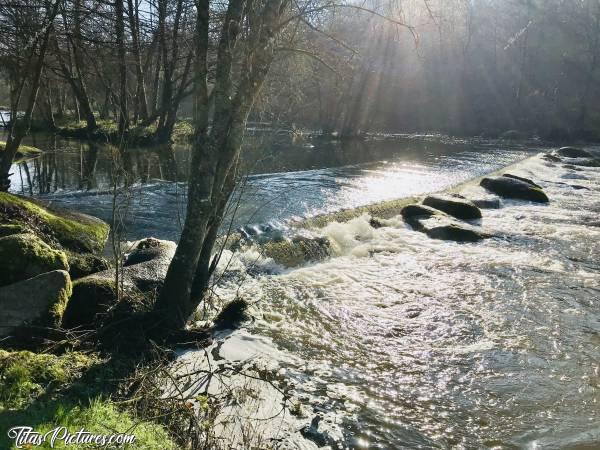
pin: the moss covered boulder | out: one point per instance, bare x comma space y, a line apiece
84, 264
72, 231
92, 296
24, 256
298, 250
141, 277
39, 301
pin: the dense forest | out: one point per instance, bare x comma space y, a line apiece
459, 67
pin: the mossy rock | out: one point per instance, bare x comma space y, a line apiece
73, 231
91, 297
84, 264
39, 301
24, 151
24, 256
298, 250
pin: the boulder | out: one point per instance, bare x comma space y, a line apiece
439, 225
84, 264
507, 187
298, 250
525, 180
24, 256
413, 214
487, 202
573, 152
550, 157
141, 276
454, 205
40, 300
73, 231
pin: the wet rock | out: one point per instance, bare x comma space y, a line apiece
375, 223
552, 158
40, 300
413, 214
525, 180
142, 275
232, 315
298, 250
320, 438
512, 188
453, 205
573, 152
487, 202
24, 256
439, 225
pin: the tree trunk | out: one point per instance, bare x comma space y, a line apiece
20, 127
120, 33
215, 154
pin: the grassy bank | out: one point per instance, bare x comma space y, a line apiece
73, 390
107, 131
24, 152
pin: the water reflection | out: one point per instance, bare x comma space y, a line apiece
284, 179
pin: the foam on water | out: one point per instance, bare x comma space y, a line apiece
403, 341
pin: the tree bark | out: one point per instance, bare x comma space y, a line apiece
215, 154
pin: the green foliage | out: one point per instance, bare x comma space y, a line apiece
45, 391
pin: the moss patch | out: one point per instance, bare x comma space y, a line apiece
84, 264
24, 151
384, 210
24, 256
26, 376
45, 391
73, 231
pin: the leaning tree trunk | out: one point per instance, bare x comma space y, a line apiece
215, 154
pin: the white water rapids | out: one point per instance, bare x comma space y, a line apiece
401, 341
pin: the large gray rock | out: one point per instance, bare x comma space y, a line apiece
23, 256
40, 300
573, 152
439, 225
143, 273
454, 205
514, 188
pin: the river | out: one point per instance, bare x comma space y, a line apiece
400, 341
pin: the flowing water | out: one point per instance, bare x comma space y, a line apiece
401, 341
